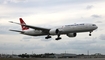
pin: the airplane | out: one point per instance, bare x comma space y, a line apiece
69, 30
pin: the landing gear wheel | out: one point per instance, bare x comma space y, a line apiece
47, 37
90, 34
58, 38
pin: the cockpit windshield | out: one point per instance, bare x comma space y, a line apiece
93, 25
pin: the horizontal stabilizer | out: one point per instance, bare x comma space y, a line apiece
16, 31
14, 22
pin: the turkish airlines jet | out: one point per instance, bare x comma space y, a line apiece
69, 30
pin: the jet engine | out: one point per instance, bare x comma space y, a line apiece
54, 31
71, 34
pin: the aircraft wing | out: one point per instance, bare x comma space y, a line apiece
37, 28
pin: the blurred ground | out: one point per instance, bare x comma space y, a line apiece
52, 59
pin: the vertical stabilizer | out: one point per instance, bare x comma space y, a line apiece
23, 23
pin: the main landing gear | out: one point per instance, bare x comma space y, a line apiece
58, 38
58, 34
48, 37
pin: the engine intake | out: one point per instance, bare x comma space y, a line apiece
54, 31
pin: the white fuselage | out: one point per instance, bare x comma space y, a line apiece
74, 28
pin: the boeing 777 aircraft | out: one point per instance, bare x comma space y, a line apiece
69, 30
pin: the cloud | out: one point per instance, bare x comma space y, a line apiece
26, 38
102, 36
75, 46
4, 29
96, 16
98, 21
19, 46
13, 1
89, 7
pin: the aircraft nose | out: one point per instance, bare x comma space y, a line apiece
96, 27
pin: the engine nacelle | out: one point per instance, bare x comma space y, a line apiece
72, 34
54, 31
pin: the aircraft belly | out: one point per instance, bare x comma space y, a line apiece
35, 33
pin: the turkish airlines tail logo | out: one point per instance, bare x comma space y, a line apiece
23, 23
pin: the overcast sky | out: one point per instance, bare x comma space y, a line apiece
50, 13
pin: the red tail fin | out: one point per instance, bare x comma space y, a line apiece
23, 23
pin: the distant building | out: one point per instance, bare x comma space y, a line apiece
8, 56
65, 55
53, 55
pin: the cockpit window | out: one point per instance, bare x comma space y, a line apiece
93, 25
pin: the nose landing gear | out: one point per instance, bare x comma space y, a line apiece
90, 34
